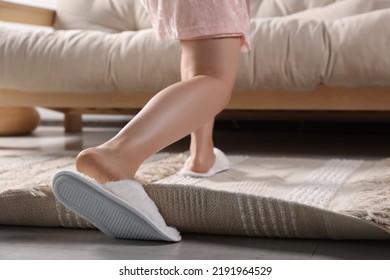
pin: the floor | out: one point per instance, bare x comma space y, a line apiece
347, 140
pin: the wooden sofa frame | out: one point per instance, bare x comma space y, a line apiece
322, 99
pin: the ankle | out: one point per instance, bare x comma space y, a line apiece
201, 162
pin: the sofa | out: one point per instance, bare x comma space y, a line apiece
316, 57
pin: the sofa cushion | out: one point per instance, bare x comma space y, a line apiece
299, 54
104, 15
335, 10
359, 50
381, 4
293, 54
123, 15
277, 8
86, 61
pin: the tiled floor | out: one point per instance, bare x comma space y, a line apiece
332, 140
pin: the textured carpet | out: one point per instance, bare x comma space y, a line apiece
258, 196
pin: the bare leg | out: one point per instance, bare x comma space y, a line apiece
201, 149
173, 113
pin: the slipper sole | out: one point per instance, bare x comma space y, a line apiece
107, 212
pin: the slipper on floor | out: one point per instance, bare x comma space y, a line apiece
221, 164
119, 209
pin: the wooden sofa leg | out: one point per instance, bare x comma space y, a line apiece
73, 123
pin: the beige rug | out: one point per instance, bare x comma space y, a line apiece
265, 197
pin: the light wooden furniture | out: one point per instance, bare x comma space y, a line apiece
18, 121
322, 99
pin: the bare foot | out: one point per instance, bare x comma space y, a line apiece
103, 165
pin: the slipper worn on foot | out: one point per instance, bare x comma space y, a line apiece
119, 209
221, 164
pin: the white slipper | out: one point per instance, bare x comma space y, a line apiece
119, 209
221, 164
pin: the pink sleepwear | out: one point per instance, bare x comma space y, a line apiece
197, 19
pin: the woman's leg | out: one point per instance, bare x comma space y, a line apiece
211, 67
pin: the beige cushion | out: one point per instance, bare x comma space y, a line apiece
104, 15
336, 10
123, 15
300, 54
381, 4
277, 8
86, 61
359, 50
287, 54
